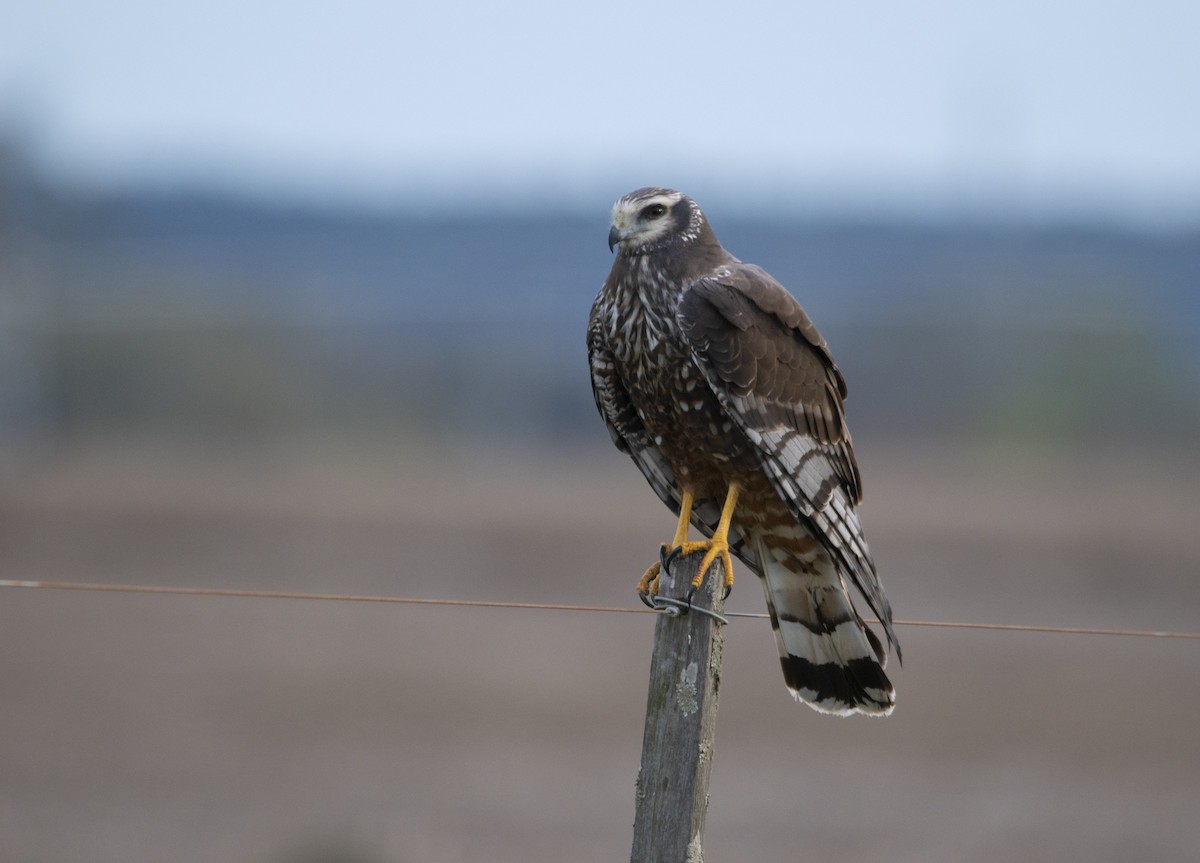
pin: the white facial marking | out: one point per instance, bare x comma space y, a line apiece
640, 228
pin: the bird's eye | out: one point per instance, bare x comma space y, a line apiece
653, 211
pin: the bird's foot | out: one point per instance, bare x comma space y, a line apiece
647, 588
713, 549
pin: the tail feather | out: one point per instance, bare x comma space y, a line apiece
831, 660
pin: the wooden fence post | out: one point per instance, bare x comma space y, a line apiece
681, 714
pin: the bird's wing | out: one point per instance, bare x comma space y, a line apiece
629, 433
621, 416
774, 376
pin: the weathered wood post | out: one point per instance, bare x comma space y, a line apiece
681, 714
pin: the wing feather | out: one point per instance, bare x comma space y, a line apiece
774, 376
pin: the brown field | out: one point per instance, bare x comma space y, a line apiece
205, 730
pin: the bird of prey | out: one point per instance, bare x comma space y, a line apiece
713, 379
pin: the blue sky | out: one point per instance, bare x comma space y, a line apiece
1033, 107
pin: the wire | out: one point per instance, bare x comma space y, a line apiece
1021, 627
544, 606
329, 597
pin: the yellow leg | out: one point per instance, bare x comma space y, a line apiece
648, 585
685, 518
717, 546
713, 548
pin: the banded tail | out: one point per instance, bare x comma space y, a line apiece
831, 660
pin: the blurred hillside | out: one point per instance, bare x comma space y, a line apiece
182, 314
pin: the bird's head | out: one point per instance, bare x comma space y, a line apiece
650, 218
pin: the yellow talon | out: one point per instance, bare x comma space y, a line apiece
713, 548
648, 585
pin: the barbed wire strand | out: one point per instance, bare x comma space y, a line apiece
544, 606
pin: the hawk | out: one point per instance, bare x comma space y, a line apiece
710, 375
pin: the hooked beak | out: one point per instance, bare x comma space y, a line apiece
614, 237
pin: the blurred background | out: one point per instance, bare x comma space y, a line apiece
294, 298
